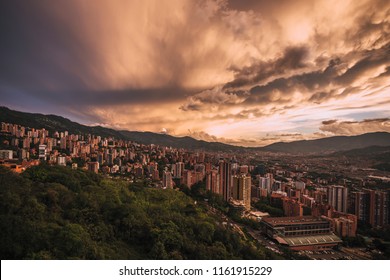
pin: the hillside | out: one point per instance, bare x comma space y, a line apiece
332, 144
53, 212
53, 123
379, 155
56, 123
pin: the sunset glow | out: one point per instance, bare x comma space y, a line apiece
241, 72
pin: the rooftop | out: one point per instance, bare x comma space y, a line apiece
291, 220
309, 240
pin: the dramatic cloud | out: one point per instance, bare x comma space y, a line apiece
292, 58
355, 127
215, 97
231, 69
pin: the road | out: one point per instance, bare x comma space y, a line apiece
240, 228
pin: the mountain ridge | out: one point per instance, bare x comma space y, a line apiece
58, 123
324, 145
333, 143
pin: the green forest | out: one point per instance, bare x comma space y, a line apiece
54, 212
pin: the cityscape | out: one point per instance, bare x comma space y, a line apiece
195, 130
319, 207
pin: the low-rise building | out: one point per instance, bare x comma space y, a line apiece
301, 233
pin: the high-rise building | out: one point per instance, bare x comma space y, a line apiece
138, 171
186, 178
201, 157
178, 169
225, 179
338, 198
93, 166
242, 189
23, 154
100, 158
26, 143
360, 205
212, 181
266, 182
299, 185
378, 208
155, 175
167, 179
42, 152
292, 207
63, 143
201, 169
110, 159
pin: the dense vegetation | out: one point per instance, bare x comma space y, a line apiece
53, 212
264, 205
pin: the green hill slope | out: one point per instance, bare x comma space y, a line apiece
59, 213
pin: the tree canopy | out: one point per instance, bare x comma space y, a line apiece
54, 212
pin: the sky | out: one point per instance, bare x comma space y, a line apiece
245, 73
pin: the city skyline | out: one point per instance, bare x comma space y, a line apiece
244, 73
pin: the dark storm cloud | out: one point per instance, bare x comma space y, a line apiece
336, 75
329, 122
282, 89
67, 52
36, 50
259, 5
215, 96
292, 58
369, 28
372, 59
79, 98
332, 75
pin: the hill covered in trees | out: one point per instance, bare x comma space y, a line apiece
53, 212
54, 123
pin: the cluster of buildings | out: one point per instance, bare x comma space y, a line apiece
311, 208
163, 166
316, 218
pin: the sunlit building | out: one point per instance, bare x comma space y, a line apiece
242, 190
42, 152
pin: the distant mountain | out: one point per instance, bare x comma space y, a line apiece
332, 144
54, 123
177, 142
324, 145
376, 152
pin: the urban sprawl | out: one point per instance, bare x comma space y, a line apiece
319, 205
